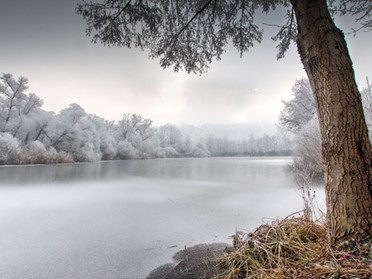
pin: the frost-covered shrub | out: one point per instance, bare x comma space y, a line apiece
145, 150
9, 148
59, 157
166, 152
200, 151
35, 153
86, 153
308, 149
126, 150
108, 147
35, 147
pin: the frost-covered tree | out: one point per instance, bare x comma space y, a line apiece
12, 93
300, 118
20, 112
62, 128
366, 93
170, 136
308, 149
136, 127
22, 124
71, 131
188, 146
136, 131
176, 143
106, 135
300, 109
200, 150
190, 34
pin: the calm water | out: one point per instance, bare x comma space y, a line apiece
118, 220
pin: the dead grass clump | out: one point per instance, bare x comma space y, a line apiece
294, 248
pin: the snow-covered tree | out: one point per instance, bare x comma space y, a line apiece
200, 150
366, 93
71, 131
132, 125
106, 135
299, 116
20, 113
12, 94
170, 136
308, 149
187, 146
135, 130
300, 109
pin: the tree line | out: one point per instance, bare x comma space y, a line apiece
29, 134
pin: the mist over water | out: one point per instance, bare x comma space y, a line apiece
121, 219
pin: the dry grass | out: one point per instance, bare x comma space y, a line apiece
294, 248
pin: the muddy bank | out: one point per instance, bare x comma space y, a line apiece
197, 262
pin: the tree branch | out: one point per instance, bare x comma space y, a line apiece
189, 22
121, 11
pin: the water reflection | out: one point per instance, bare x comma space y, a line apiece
218, 169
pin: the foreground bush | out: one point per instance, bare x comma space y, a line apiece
295, 248
11, 153
47, 157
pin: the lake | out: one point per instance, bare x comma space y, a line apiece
121, 219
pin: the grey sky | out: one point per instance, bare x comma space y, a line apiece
44, 40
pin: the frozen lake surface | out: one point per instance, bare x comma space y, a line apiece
120, 220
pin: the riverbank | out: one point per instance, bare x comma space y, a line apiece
199, 261
289, 248
295, 248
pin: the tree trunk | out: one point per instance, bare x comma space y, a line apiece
346, 149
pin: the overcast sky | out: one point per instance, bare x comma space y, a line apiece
44, 40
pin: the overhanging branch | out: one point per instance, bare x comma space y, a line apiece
189, 22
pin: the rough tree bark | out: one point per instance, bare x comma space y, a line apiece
346, 148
